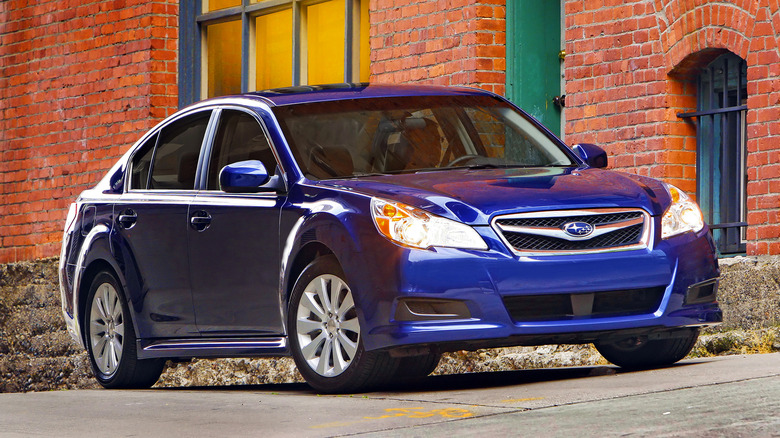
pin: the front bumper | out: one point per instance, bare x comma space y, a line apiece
484, 281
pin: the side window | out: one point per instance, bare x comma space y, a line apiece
239, 137
142, 163
176, 156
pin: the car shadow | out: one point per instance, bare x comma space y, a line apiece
497, 379
448, 382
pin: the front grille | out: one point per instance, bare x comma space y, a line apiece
551, 307
543, 232
529, 242
555, 222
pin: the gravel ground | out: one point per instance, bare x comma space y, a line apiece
36, 353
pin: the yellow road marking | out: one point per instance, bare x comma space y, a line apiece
518, 400
416, 412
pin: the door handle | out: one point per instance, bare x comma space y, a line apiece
200, 220
127, 219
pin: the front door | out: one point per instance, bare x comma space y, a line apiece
234, 239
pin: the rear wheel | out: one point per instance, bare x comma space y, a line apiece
325, 334
111, 339
636, 353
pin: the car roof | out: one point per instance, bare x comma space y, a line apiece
322, 93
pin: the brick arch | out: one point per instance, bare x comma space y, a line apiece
686, 30
691, 37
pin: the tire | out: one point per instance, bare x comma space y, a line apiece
325, 334
413, 368
110, 338
632, 353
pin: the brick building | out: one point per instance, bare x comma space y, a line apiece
684, 90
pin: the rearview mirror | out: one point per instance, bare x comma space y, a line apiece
593, 155
243, 177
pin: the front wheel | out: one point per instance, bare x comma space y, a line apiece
414, 368
638, 353
111, 339
325, 334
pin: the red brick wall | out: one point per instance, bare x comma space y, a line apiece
80, 81
443, 42
630, 68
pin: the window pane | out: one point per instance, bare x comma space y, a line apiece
176, 158
214, 5
141, 163
408, 134
274, 49
325, 42
224, 58
239, 138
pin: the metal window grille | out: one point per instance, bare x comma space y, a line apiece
721, 171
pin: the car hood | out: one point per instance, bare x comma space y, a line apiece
475, 196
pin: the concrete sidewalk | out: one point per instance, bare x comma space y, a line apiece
732, 396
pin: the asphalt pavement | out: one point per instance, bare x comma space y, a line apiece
724, 396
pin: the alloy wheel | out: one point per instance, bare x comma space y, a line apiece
327, 326
107, 329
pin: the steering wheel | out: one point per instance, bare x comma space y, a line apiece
462, 158
317, 156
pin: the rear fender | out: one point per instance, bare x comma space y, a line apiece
95, 250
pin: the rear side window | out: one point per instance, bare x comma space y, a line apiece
142, 162
176, 155
239, 137
170, 162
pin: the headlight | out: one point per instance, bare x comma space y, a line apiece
682, 216
417, 228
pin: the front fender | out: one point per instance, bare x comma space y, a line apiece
304, 228
325, 224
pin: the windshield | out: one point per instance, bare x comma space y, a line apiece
357, 137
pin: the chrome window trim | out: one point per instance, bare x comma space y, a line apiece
222, 199
204, 197
156, 197
645, 240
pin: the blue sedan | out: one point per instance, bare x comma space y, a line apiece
366, 229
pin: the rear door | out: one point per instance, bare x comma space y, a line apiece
151, 228
234, 238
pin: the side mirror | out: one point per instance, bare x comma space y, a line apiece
593, 155
243, 177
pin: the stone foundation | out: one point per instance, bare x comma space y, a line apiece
37, 354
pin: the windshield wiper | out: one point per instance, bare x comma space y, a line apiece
390, 172
508, 166
482, 166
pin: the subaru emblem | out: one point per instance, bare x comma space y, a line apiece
577, 229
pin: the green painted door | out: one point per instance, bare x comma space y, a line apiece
533, 44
